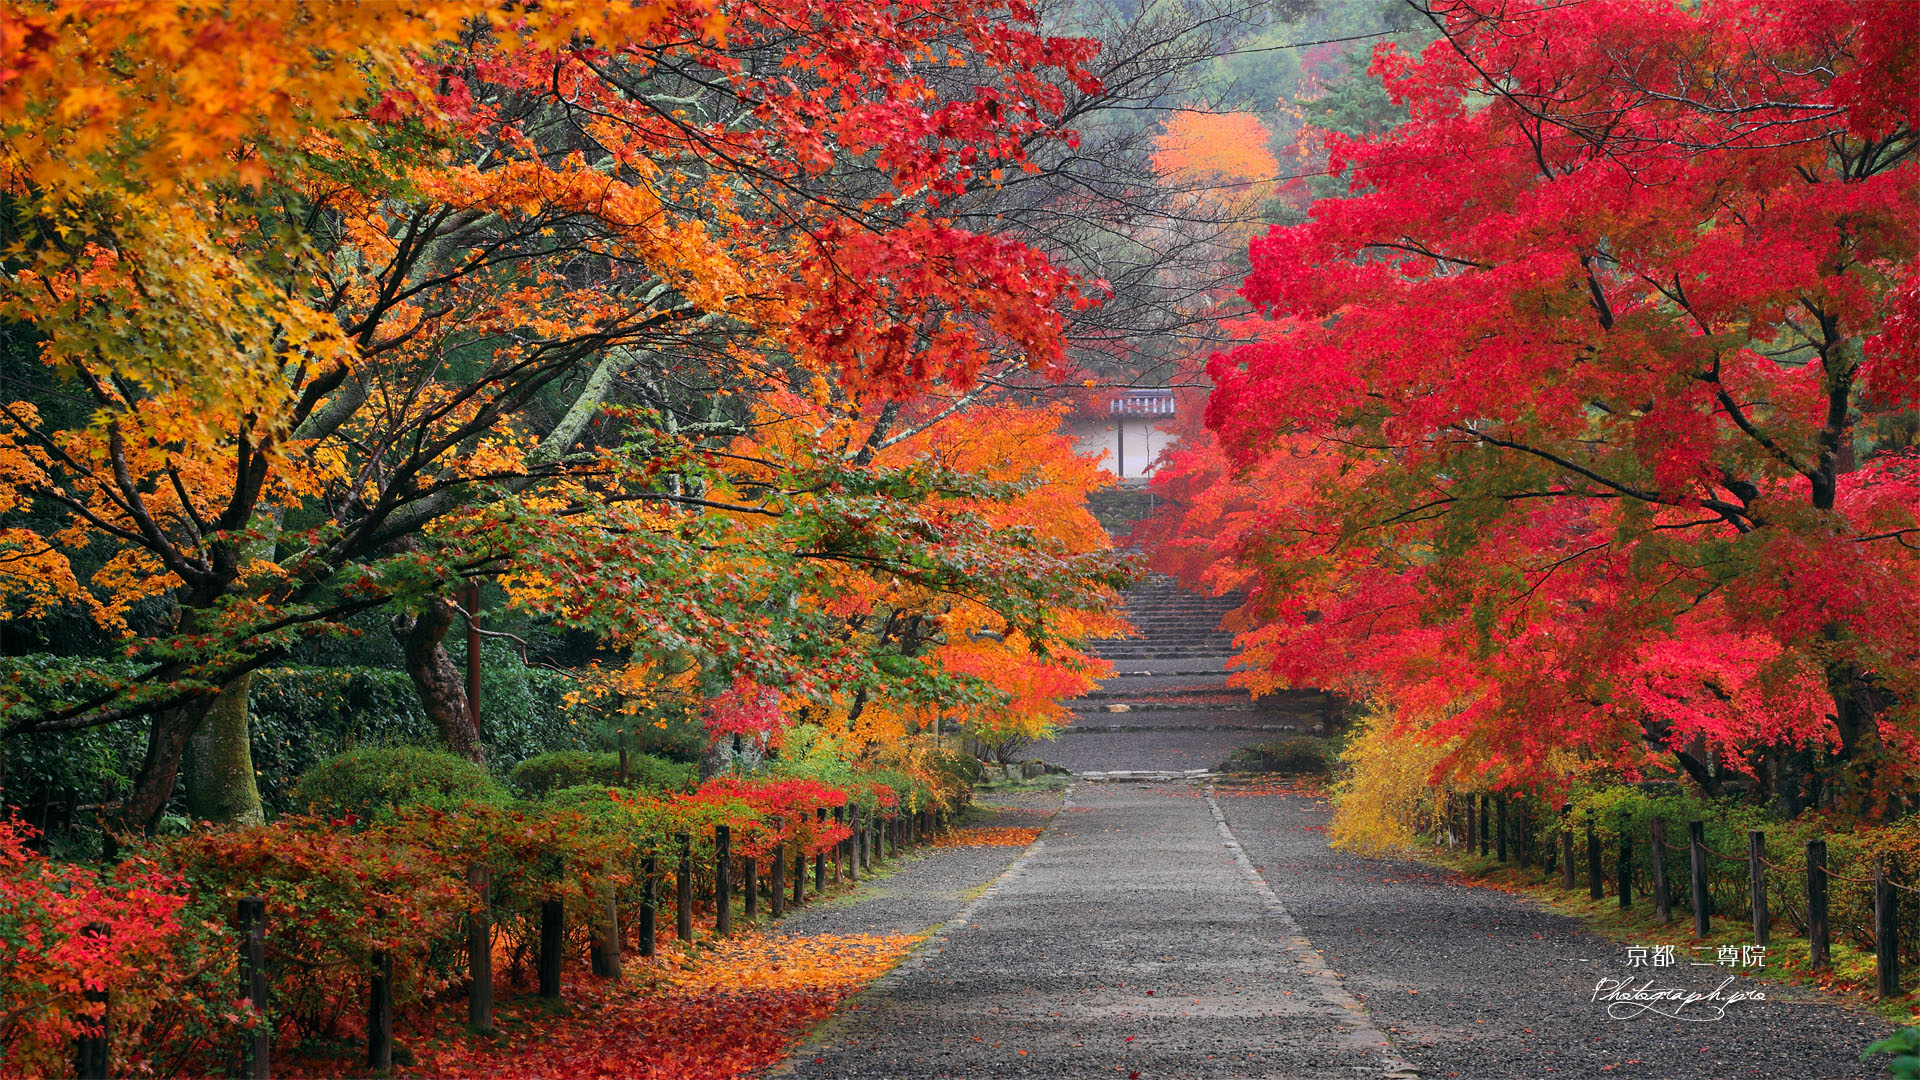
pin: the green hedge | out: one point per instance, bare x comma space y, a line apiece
368, 779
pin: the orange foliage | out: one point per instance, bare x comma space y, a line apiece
1228, 149
730, 1009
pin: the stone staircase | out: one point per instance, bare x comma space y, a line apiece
1173, 625
1167, 709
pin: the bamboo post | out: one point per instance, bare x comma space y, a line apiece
553, 925
1819, 933
683, 889
1757, 882
1657, 870
1886, 931
649, 904
1595, 887
722, 880
480, 949
1697, 853
380, 1014
256, 1050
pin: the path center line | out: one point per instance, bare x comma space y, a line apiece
1353, 1014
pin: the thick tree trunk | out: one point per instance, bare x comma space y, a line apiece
1859, 700
160, 769
219, 761
441, 685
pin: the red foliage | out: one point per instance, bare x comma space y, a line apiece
66, 930
1560, 437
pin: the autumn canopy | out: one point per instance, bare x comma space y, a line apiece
1580, 433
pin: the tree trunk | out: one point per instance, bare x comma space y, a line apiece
153, 785
1859, 700
441, 686
219, 761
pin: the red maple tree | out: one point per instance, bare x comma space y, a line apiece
1586, 424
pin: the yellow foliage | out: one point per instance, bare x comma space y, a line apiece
1386, 794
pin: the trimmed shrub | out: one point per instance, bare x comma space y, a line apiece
545, 773
369, 779
1287, 754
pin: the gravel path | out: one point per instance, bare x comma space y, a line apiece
1474, 982
1127, 942
1157, 932
915, 894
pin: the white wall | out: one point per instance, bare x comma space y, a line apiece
1144, 441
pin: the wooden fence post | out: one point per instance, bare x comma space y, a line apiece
1566, 857
856, 843
1500, 826
553, 926
256, 1051
820, 857
1819, 932
1486, 826
1697, 853
750, 878
649, 904
1623, 869
1595, 887
480, 949
777, 872
92, 1050
1757, 881
799, 876
1886, 931
683, 889
722, 880
380, 1014
839, 818
1657, 870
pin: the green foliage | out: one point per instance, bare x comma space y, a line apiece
369, 779
300, 716
544, 773
1904, 1047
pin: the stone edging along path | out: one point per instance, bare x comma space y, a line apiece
1359, 1024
